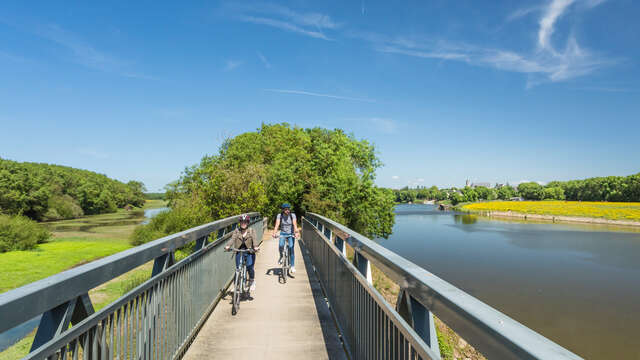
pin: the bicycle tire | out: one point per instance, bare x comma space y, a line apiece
285, 262
236, 295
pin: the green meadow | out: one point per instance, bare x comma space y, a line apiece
76, 242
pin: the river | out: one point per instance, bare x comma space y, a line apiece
10, 337
578, 285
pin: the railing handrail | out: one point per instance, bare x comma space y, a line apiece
26, 302
493, 333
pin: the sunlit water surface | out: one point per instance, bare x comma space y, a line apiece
578, 285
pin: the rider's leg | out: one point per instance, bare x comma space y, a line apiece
250, 262
237, 263
292, 253
281, 246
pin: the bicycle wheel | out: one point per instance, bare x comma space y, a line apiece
285, 263
245, 283
236, 294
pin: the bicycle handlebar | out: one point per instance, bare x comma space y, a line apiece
241, 250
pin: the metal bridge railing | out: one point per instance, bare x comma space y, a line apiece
372, 329
156, 320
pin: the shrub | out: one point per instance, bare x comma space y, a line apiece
63, 207
20, 233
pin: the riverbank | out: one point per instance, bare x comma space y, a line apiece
619, 214
76, 242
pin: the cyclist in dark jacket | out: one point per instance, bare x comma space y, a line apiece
244, 237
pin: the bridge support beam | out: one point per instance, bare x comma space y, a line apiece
420, 319
57, 320
364, 266
340, 244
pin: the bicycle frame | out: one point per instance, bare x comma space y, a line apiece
239, 281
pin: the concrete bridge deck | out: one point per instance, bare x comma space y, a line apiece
283, 321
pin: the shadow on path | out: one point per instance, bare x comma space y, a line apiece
334, 345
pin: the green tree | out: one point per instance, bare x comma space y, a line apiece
531, 191
456, 198
506, 192
318, 170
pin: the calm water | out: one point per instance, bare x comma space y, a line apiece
10, 337
578, 285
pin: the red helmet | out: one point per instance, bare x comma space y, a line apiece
245, 218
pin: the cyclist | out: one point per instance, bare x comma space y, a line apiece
244, 237
286, 223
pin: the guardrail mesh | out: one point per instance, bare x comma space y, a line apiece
156, 320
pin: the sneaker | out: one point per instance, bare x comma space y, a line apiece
252, 287
293, 270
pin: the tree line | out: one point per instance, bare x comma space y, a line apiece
317, 170
610, 188
49, 192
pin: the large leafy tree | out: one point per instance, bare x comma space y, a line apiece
318, 170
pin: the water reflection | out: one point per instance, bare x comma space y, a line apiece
465, 219
576, 284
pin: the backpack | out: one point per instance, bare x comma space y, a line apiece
282, 218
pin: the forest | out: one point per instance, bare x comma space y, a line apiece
609, 188
51, 192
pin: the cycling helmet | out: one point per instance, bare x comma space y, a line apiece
245, 218
286, 206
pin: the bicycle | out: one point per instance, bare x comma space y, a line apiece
241, 288
286, 260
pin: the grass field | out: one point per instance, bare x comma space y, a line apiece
75, 242
601, 210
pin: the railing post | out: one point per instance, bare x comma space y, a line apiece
420, 319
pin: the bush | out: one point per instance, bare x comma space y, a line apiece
20, 233
63, 207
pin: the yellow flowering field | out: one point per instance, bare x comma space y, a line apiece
605, 210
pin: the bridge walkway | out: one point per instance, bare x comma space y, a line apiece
283, 321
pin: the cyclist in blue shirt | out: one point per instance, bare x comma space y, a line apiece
286, 224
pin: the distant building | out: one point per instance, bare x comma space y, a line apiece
484, 184
517, 198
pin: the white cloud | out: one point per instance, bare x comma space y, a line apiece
543, 64
395, 177
264, 60
308, 93
232, 64
85, 54
523, 12
284, 26
555, 9
310, 24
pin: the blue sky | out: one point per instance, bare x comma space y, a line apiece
489, 91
